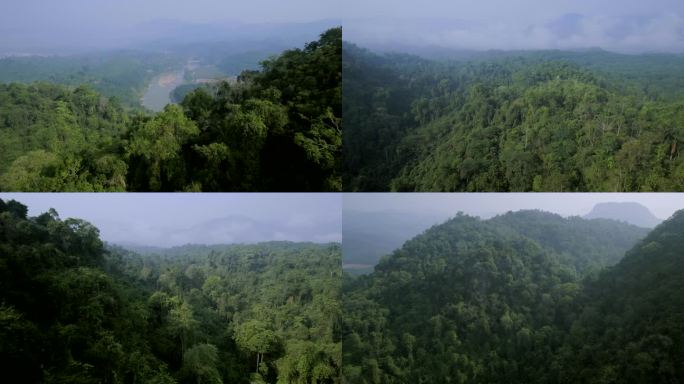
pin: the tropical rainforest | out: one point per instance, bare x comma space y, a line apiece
524, 297
76, 310
276, 128
513, 121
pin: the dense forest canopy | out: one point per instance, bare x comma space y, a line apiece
278, 128
526, 297
75, 310
515, 121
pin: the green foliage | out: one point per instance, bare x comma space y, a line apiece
73, 310
277, 129
58, 139
156, 150
504, 300
200, 364
539, 121
281, 126
254, 336
631, 316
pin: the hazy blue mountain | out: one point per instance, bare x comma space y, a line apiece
370, 235
234, 229
633, 213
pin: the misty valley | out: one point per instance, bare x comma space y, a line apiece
76, 310
243, 114
522, 297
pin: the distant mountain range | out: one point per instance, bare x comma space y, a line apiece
632, 213
166, 35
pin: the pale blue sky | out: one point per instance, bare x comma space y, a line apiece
67, 26
120, 13
170, 219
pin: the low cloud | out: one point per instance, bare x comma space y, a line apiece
228, 230
629, 34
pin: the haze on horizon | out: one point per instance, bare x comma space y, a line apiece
445, 205
174, 219
629, 26
75, 26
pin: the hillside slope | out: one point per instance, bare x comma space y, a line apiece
476, 300
631, 327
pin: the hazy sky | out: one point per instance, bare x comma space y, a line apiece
64, 26
619, 25
209, 218
120, 13
447, 204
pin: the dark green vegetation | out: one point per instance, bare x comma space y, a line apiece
275, 129
516, 121
527, 297
75, 311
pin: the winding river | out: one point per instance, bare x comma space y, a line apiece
158, 93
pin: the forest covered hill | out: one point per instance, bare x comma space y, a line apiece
526, 297
278, 128
512, 121
75, 310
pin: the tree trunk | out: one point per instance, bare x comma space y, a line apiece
257, 364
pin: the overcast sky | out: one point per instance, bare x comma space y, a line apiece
618, 25
173, 219
36, 26
662, 205
121, 13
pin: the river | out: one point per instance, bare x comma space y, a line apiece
158, 93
